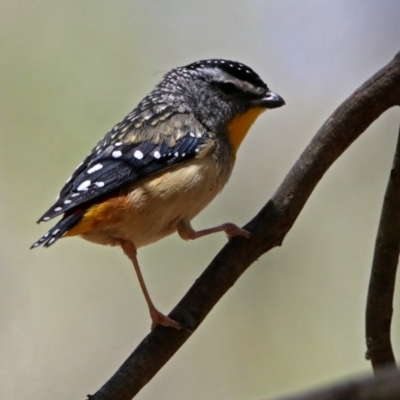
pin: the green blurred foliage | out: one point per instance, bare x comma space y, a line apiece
70, 315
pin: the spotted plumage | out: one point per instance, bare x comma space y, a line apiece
164, 162
120, 164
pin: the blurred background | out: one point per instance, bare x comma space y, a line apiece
70, 315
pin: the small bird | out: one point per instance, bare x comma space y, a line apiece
163, 163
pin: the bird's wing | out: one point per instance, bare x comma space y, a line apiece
127, 155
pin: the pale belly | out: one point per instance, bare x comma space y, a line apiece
154, 206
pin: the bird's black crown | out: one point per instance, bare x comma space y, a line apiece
238, 70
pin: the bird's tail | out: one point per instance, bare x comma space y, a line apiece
59, 230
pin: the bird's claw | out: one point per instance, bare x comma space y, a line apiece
159, 318
233, 230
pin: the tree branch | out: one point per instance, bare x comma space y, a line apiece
386, 386
268, 230
383, 274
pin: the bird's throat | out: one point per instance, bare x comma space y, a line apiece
239, 126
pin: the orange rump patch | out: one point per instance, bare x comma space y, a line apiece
106, 213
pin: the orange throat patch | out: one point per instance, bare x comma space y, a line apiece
239, 126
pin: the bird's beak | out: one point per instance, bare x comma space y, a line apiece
270, 100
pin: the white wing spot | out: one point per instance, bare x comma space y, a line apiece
67, 201
75, 194
183, 154
176, 154
138, 154
46, 218
95, 168
118, 144
116, 153
84, 186
99, 184
192, 134
57, 209
55, 232
157, 154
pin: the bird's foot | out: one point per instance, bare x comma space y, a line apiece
159, 318
233, 230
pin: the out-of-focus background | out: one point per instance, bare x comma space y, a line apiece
70, 315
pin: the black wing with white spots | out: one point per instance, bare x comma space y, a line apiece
124, 162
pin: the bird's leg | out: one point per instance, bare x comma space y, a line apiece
156, 316
186, 231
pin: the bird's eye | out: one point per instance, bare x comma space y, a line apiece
227, 88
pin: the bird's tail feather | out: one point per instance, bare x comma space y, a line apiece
59, 230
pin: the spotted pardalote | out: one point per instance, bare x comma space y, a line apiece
163, 163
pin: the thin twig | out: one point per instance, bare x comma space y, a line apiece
268, 230
383, 274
